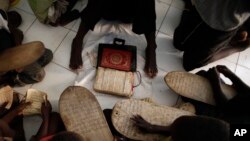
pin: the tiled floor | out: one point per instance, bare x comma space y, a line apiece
58, 39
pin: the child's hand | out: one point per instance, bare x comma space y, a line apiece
46, 109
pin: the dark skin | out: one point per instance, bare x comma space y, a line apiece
76, 48
2, 108
51, 124
241, 88
231, 110
148, 127
187, 127
6, 120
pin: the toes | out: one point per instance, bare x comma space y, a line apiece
151, 72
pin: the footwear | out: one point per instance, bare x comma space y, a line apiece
20, 56
195, 87
124, 110
82, 114
45, 58
6, 94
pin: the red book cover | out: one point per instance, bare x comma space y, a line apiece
116, 59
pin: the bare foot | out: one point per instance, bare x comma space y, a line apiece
76, 54
150, 66
241, 40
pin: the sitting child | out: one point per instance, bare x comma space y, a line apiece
19, 64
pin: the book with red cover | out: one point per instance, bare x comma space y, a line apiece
115, 56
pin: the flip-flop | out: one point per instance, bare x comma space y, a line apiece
124, 110
195, 87
20, 56
82, 114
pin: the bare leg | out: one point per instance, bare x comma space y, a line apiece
56, 124
226, 52
238, 43
76, 48
150, 65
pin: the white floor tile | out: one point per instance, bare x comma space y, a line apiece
27, 19
108, 101
24, 5
76, 25
31, 125
165, 44
180, 4
70, 25
164, 1
243, 73
62, 54
50, 36
244, 59
56, 80
169, 62
161, 11
233, 58
161, 93
171, 21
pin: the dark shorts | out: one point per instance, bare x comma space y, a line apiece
5, 40
141, 13
199, 41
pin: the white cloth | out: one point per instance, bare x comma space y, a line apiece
3, 23
105, 32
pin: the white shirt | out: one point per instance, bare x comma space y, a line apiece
3, 23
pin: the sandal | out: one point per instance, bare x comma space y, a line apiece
124, 110
195, 87
82, 114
